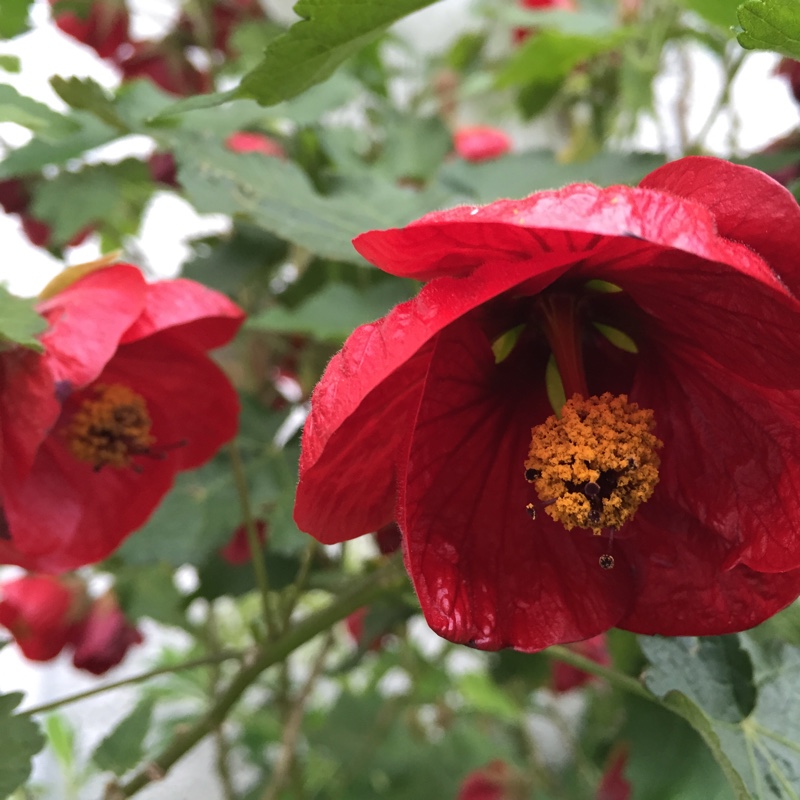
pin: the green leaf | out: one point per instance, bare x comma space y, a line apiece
741, 696
85, 94
149, 591
14, 17
19, 322
123, 748
334, 312
31, 114
482, 694
200, 101
314, 47
61, 737
22, 740
278, 196
721, 13
9, 63
770, 25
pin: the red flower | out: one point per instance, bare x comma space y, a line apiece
163, 169
790, 69
104, 637
566, 677
481, 143
41, 612
40, 234
104, 26
165, 65
680, 294
124, 397
521, 34
247, 142
237, 550
614, 785
389, 538
14, 196
495, 781
355, 627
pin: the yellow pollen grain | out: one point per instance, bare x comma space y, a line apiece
110, 427
603, 441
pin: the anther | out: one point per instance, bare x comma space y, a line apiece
531, 509
606, 561
532, 474
596, 464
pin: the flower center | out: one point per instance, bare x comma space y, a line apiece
110, 427
593, 467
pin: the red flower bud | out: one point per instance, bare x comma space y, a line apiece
248, 142
790, 69
42, 611
355, 627
613, 784
481, 143
237, 551
104, 28
104, 637
389, 538
163, 169
165, 65
521, 34
14, 197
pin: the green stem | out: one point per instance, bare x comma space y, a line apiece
615, 678
153, 673
382, 582
256, 553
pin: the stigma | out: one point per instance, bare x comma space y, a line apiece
110, 426
596, 465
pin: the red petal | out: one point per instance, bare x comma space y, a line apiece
368, 393
455, 241
485, 573
729, 456
204, 318
87, 320
683, 589
748, 207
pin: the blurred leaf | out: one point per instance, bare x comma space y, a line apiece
521, 174
741, 696
19, 322
9, 63
314, 47
482, 694
31, 114
200, 101
22, 740
414, 146
219, 578
123, 748
335, 311
784, 626
721, 13
61, 737
278, 196
149, 591
13, 17
770, 25
85, 94
113, 195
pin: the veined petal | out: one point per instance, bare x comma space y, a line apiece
486, 574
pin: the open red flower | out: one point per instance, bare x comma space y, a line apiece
42, 613
94, 430
104, 637
679, 295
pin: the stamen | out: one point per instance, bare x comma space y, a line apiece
597, 464
606, 561
110, 427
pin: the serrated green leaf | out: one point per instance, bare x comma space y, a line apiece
22, 740
123, 748
770, 25
277, 196
19, 322
310, 51
14, 17
85, 94
198, 102
334, 312
31, 114
741, 696
721, 13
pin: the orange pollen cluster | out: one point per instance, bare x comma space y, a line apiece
110, 427
593, 467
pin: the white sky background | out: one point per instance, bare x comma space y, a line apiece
766, 112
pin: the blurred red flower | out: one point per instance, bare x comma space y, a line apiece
104, 637
42, 613
95, 429
680, 295
166, 65
614, 785
521, 34
481, 143
566, 677
102, 24
248, 142
355, 627
237, 550
389, 538
495, 781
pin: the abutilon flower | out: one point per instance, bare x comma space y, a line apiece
495, 781
252, 142
661, 497
521, 34
43, 613
123, 398
613, 784
104, 637
481, 143
101, 24
237, 549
